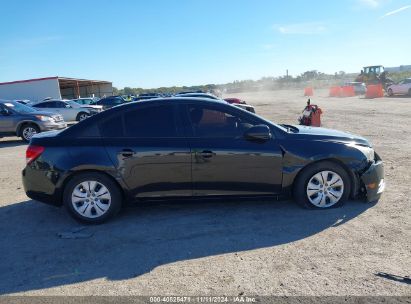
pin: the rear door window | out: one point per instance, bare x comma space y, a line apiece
59, 104
151, 122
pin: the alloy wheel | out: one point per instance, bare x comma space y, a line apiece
91, 199
325, 189
82, 117
28, 133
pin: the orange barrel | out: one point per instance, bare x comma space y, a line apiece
308, 91
347, 91
334, 91
374, 91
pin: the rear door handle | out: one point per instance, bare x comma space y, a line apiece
127, 152
206, 154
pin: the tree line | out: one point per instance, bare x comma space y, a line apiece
312, 78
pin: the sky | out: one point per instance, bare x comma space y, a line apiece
155, 43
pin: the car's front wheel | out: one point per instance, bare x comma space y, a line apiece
92, 197
81, 116
322, 185
28, 131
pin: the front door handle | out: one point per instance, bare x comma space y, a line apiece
127, 152
207, 154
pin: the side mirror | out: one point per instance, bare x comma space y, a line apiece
258, 133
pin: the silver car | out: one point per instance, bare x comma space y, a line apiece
63, 108
401, 88
20, 120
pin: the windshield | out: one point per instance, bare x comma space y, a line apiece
85, 101
18, 107
269, 122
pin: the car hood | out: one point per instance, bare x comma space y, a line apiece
323, 134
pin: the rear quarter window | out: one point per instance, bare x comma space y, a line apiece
112, 127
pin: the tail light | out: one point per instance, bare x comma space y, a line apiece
32, 153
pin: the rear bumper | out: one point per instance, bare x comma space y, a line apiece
41, 185
373, 180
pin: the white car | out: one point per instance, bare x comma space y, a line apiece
93, 108
403, 88
63, 108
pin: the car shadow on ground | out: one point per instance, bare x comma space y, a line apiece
146, 236
8, 143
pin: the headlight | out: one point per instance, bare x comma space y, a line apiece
367, 151
45, 118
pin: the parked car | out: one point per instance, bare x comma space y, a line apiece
183, 147
86, 100
190, 92
401, 88
197, 95
359, 87
210, 96
234, 100
23, 101
150, 95
94, 109
110, 102
23, 121
146, 96
62, 107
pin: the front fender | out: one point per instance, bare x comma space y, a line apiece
300, 153
21, 123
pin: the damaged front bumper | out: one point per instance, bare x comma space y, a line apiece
373, 180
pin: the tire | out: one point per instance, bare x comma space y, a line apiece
390, 92
322, 197
27, 131
81, 116
95, 206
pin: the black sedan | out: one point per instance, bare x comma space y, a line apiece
192, 147
111, 101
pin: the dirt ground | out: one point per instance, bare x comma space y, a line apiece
256, 247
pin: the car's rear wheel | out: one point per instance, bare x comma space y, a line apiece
81, 116
28, 131
390, 92
322, 185
92, 197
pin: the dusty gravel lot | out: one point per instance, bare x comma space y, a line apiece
225, 247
